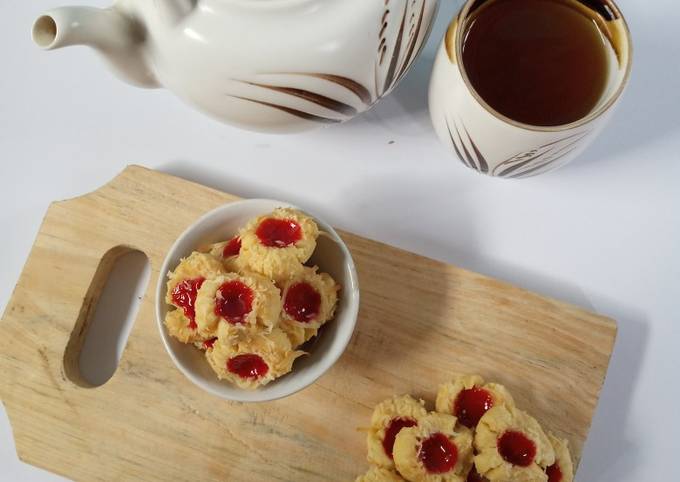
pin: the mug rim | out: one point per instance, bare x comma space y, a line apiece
458, 40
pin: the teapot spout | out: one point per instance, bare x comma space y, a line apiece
117, 37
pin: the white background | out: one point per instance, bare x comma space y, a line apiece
604, 232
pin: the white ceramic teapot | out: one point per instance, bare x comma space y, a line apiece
267, 65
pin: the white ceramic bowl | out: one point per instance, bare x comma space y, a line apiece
331, 255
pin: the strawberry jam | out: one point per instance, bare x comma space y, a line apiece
233, 301
438, 454
232, 248
278, 233
471, 404
516, 448
392, 430
248, 366
184, 296
303, 302
554, 473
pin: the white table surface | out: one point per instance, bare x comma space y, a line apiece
604, 232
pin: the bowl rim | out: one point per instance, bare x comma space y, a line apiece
327, 360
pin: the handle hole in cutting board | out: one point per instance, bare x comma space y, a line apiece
116, 309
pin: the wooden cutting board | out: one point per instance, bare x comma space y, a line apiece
420, 320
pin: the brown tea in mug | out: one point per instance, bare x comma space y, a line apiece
539, 62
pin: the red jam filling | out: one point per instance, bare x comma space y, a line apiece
232, 248
184, 296
471, 404
208, 344
233, 302
516, 448
554, 473
303, 302
278, 233
438, 454
248, 366
392, 430
474, 476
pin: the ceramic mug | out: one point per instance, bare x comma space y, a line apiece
495, 145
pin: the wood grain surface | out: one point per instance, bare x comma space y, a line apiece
420, 320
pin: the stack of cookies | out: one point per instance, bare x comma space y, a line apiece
250, 302
476, 434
